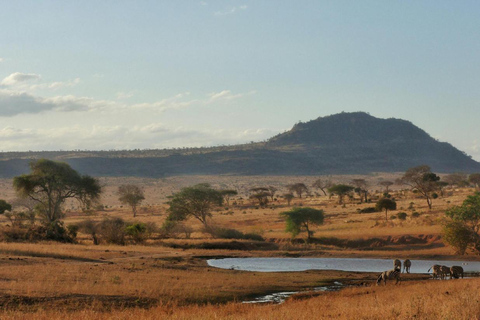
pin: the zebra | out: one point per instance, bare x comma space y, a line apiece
456, 272
444, 272
397, 265
406, 265
436, 270
390, 275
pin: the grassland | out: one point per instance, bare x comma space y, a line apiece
169, 278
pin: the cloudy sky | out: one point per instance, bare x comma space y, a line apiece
115, 74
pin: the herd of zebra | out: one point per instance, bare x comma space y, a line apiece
438, 271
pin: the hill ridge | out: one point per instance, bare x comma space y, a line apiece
344, 143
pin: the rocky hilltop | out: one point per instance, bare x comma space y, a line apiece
344, 143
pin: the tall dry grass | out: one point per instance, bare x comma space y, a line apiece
424, 300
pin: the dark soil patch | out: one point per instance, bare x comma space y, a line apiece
74, 302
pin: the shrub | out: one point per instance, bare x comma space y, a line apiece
415, 214
113, 230
402, 215
367, 210
137, 231
226, 233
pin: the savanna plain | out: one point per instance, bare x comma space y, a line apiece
167, 276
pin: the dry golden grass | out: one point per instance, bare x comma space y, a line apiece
82, 281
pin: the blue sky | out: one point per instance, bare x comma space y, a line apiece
162, 74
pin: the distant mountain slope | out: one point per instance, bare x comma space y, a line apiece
344, 143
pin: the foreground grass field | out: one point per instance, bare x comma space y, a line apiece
169, 278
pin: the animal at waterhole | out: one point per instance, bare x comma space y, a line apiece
406, 265
389, 275
456, 272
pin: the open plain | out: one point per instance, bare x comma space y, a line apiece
169, 278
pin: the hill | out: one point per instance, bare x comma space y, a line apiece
345, 143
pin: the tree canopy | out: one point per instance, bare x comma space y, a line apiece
50, 183
298, 188
131, 195
302, 219
463, 232
196, 201
340, 190
5, 206
386, 204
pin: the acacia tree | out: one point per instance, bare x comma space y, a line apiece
227, 194
474, 179
322, 184
423, 180
196, 201
361, 188
463, 232
131, 195
272, 190
341, 190
260, 194
289, 197
298, 188
50, 184
302, 219
386, 184
456, 179
386, 204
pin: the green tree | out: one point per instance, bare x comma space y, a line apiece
341, 190
302, 219
196, 201
50, 184
423, 180
386, 204
463, 232
131, 195
5, 206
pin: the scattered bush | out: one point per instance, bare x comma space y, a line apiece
226, 233
415, 214
367, 210
137, 231
112, 230
402, 215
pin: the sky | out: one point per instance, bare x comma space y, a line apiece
114, 74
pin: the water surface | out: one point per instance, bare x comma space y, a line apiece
342, 264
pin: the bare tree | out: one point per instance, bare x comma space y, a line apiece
132, 195
288, 197
298, 188
361, 188
322, 184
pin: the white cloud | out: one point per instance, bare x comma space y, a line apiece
18, 77
1, 59
59, 85
230, 11
203, 3
227, 95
